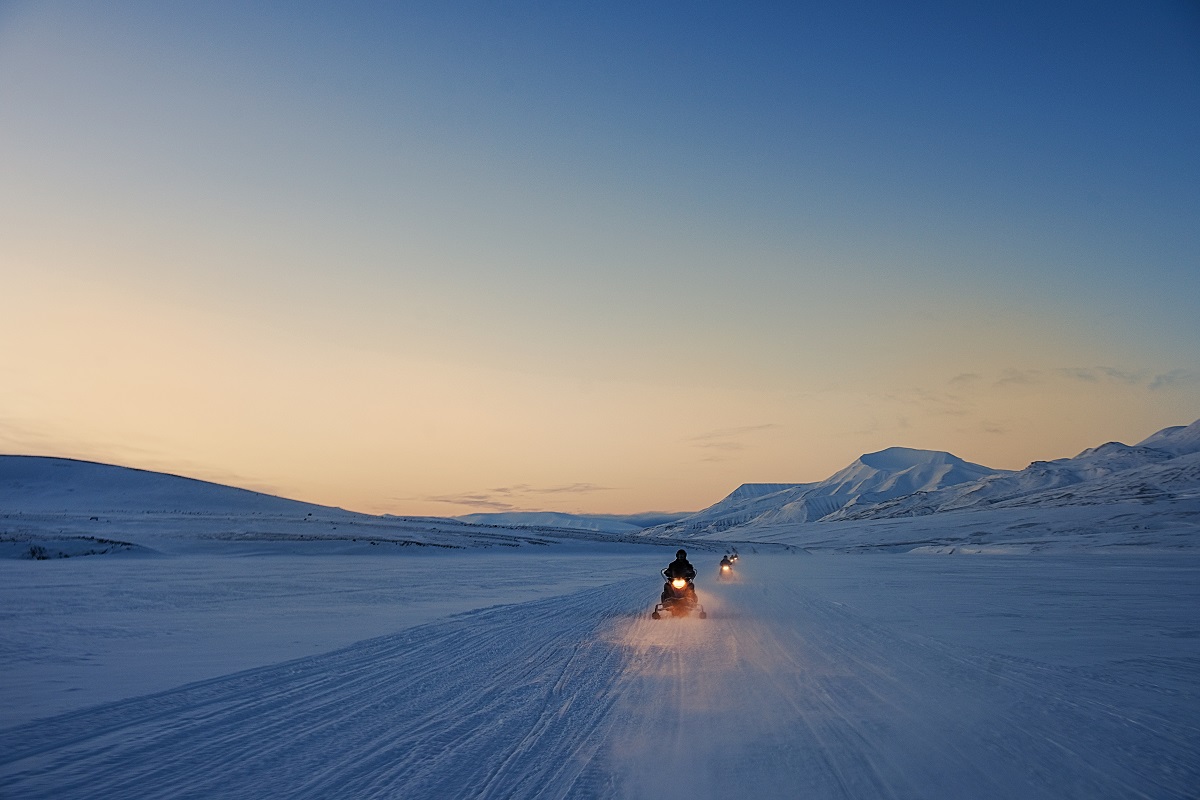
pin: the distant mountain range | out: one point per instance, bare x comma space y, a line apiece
891, 484
902, 482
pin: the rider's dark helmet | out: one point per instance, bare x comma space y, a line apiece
681, 553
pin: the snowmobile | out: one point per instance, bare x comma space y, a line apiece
725, 572
678, 599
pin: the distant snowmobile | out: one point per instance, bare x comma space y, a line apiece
725, 571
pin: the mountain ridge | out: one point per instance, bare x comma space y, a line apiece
892, 483
903, 482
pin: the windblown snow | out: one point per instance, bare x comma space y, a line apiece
216, 643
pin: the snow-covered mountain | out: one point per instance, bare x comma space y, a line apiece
1161, 466
872, 479
901, 482
1179, 440
746, 503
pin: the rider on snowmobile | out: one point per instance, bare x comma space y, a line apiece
679, 568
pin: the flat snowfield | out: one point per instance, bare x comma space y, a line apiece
539, 673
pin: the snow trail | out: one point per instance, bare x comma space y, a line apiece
501, 698
782, 692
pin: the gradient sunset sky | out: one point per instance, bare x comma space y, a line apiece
444, 257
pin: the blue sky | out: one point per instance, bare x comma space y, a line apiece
390, 255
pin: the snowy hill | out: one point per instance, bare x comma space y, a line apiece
42, 484
59, 507
745, 504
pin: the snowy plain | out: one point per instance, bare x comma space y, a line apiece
301, 652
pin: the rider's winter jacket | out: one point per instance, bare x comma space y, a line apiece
680, 568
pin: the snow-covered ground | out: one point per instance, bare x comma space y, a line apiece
91, 630
536, 671
169, 638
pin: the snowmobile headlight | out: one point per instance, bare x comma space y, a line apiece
679, 583
725, 568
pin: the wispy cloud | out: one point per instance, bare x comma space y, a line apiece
519, 497
1078, 374
730, 433
1174, 379
727, 446
481, 501
720, 443
950, 404
1123, 376
1019, 377
19, 435
1099, 374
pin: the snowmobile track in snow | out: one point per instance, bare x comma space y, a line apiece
780, 693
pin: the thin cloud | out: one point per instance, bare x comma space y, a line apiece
1100, 377
23, 436
568, 488
1123, 376
732, 433
1174, 379
939, 403
483, 501
519, 497
724, 442
1078, 374
727, 446
1098, 374
1019, 377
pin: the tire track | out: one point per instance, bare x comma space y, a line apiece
780, 693
786, 694
505, 700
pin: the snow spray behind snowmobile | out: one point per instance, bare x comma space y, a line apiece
678, 598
